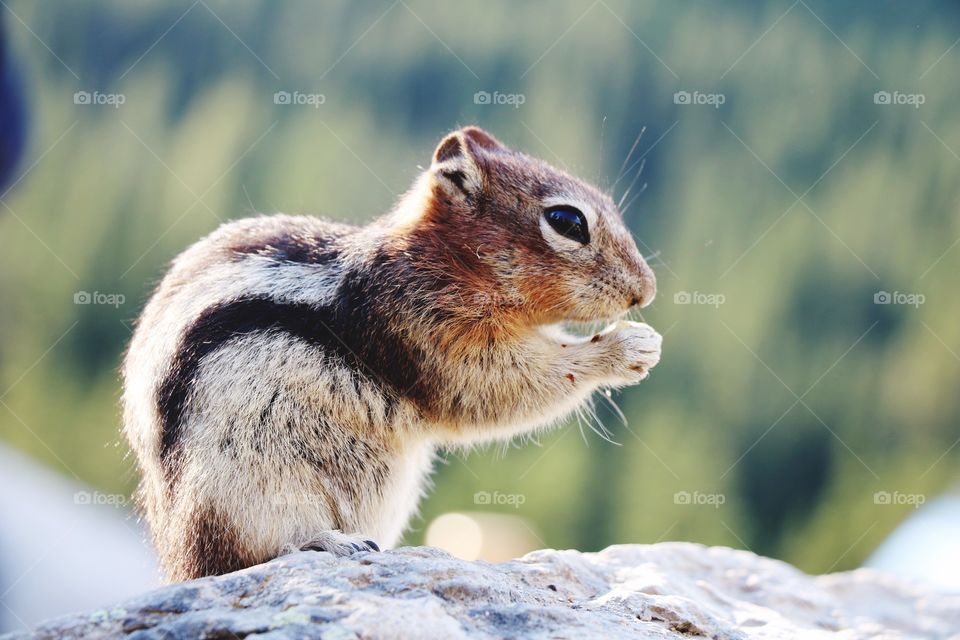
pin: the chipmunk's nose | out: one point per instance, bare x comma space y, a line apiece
645, 289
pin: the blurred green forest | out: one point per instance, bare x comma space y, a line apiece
789, 206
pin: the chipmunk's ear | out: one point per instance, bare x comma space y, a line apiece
458, 159
481, 138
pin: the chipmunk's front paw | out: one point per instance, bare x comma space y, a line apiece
339, 544
637, 348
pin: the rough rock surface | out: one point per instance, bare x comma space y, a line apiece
668, 590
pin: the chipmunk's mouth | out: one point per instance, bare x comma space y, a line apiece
591, 326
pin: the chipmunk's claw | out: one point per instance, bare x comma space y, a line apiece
340, 544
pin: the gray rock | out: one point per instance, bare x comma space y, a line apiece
668, 590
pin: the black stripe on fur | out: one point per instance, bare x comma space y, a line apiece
354, 329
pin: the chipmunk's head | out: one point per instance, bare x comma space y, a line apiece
529, 238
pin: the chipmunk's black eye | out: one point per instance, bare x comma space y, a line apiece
569, 222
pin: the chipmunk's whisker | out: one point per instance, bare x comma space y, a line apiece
643, 163
613, 405
629, 155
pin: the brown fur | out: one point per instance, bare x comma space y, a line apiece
213, 547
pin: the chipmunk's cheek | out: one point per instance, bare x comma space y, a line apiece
545, 295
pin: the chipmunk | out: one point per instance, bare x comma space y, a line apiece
289, 381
